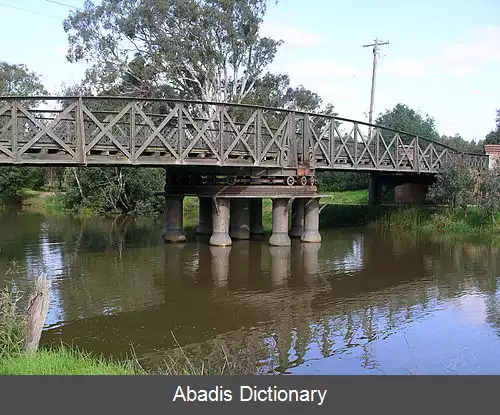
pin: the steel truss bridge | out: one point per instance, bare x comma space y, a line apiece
218, 138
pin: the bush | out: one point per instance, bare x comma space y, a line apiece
116, 190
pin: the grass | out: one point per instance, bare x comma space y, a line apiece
350, 197
62, 361
470, 221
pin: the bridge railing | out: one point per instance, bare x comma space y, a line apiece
122, 130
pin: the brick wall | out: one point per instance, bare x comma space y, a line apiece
493, 150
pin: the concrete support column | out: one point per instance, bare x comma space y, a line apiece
205, 216
280, 236
374, 190
297, 227
240, 219
311, 222
220, 223
256, 217
174, 229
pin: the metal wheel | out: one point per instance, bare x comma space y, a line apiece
290, 181
312, 180
303, 180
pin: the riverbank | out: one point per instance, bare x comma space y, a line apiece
343, 209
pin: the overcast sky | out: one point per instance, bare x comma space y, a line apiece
443, 58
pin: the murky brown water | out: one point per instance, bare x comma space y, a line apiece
359, 303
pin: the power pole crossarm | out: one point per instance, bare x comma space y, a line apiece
375, 46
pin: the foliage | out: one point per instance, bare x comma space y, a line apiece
460, 144
12, 324
493, 137
454, 185
14, 179
19, 80
404, 118
404, 219
438, 221
274, 90
489, 192
113, 190
209, 50
338, 181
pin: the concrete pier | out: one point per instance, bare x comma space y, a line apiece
280, 236
256, 227
240, 219
220, 223
205, 216
311, 222
174, 229
297, 227
374, 190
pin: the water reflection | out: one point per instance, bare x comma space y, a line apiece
359, 302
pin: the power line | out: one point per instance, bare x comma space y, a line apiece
29, 11
375, 58
69, 6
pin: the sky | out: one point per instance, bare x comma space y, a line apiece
443, 57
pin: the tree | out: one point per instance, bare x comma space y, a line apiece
493, 137
19, 80
197, 49
114, 190
489, 192
404, 118
454, 185
460, 144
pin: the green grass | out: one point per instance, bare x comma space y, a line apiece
350, 197
471, 221
61, 361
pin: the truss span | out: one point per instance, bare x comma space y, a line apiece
84, 131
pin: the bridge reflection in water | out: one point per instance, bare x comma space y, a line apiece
358, 302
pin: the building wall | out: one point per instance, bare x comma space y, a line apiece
493, 150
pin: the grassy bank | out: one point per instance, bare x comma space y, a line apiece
470, 221
62, 361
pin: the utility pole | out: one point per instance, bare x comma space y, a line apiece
375, 58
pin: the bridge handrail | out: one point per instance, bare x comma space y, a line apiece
227, 104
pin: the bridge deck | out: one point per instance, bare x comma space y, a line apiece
132, 131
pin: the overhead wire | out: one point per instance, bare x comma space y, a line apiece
10, 6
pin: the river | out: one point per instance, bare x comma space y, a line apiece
361, 302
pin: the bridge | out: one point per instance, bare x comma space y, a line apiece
229, 155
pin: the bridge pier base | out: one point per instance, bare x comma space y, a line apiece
374, 190
220, 223
297, 227
205, 216
311, 222
240, 219
256, 217
280, 236
174, 229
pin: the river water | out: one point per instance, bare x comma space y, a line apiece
361, 302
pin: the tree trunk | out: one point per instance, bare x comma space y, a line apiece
38, 306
